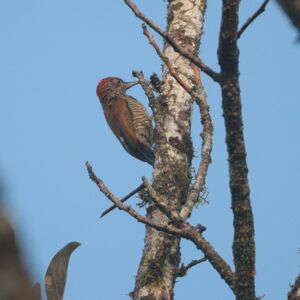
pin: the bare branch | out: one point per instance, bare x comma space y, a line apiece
201, 100
139, 188
194, 59
166, 60
102, 187
259, 11
190, 233
185, 231
205, 120
182, 271
243, 241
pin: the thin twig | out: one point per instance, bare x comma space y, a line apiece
166, 60
206, 148
182, 271
205, 119
186, 231
139, 188
259, 11
194, 59
103, 188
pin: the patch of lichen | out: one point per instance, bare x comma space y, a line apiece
185, 146
153, 275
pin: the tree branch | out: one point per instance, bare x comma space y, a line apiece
161, 203
243, 241
185, 231
166, 60
147, 89
259, 11
182, 271
139, 188
206, 121
194, 59
206, 148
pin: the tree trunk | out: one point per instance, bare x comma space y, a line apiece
174, 152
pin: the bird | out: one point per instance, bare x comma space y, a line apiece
127, 118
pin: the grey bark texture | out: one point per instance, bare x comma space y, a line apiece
174, 151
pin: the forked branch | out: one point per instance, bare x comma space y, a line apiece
128, 196
194, 59
166, 60
185, 231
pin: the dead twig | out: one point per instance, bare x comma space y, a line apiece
182, 271
186, 231
194, 59
206, 121
166, 60
139, 188
259, 11
206, 148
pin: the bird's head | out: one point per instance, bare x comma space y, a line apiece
111, 87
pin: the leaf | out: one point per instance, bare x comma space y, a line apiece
56, 275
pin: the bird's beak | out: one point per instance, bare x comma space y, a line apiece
131, 84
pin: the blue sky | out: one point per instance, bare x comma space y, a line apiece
52, 55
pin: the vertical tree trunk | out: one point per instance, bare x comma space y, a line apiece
172, 175
243, 241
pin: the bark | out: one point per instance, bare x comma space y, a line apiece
243, 243
174, 151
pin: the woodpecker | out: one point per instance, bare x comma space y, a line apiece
127, 118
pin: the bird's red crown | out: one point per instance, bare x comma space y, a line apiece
102, 82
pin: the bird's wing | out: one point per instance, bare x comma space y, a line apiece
141, 122
119, 119
132, 126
